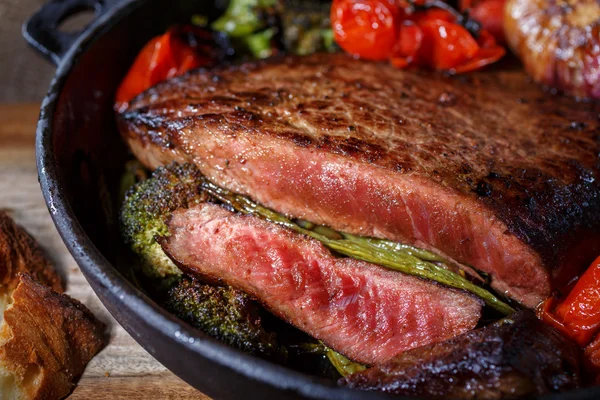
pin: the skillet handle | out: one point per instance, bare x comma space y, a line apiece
42, 32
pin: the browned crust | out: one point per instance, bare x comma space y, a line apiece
20, 253
526, 157
47, 339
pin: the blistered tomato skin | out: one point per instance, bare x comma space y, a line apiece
578, 315
558, 42
446, 45
489, 13
581, 309
366, 28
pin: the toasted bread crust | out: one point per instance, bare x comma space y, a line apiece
47, 339
20, 253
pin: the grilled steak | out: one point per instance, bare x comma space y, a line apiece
486, 170
515, 357
365, 311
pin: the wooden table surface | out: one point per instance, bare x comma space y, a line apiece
123, 370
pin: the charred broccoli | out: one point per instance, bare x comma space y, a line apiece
258, 27
307, 27
223, 313
145, 209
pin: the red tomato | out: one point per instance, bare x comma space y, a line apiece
578, 315
486, 39
162, 58
433, 14
483, 57
580, 311
366, 28
591, 360
140, 74
445, 45
490, 13
410, 37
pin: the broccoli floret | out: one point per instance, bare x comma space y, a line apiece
223, 313
147, 206
307, 27
244, 17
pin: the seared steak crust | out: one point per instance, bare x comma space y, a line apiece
367, 312
518, 357
486, 169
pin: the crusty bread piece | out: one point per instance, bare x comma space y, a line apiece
20, 253
46, 338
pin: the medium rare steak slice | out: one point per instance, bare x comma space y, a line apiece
364, 311
486, 170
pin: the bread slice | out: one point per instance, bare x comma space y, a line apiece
19, 252
46, 338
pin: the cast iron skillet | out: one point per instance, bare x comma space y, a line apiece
80, 159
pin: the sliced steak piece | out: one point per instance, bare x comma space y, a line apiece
516, 357
486, 170
364, 311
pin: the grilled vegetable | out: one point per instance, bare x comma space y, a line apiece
578, 315
591, 361
366, 28
377, 251
257, 27
306, 27
342, 365
489, 13
251, 25
428, 34
244, 17
222, 312
180, 49
225, 314
143, 215
558, 42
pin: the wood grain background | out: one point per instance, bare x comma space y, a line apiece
123, 370
24, 75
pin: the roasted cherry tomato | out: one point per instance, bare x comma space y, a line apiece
410, 38
591, 360
483, 57
578, 315
490, 13
433, 14
446, 45
366, 28
162, 58
411, 33
489, 52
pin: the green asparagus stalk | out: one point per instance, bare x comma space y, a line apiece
341, 363
403, 258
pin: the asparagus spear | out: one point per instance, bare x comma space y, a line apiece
403, 258
343, 365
